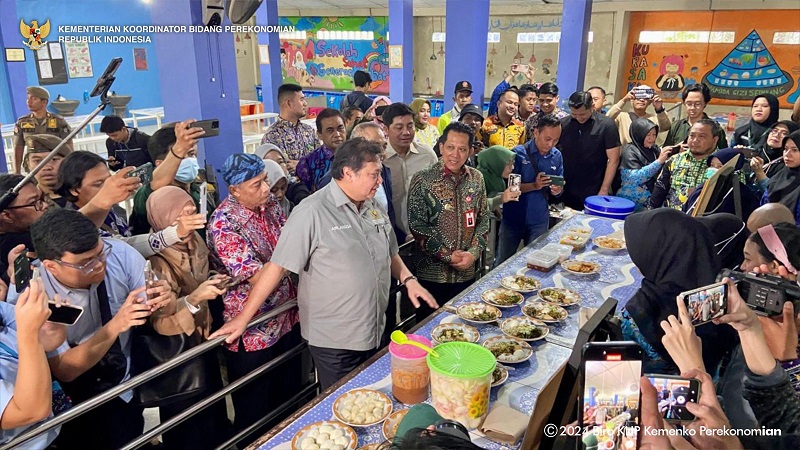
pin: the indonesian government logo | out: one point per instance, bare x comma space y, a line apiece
34, 33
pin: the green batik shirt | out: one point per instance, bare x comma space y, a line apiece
686, 174
447, 213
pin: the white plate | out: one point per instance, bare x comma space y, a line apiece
503, 377
461, 311
304, 432
374, 396
566, 266
510, 282
470, 332
490, 296
601, 244
568, 293
526, 349
390, 425
534, 310
512, 322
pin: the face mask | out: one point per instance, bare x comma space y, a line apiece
188, 170
711, 171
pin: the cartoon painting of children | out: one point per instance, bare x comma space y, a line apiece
299, 66
671, 82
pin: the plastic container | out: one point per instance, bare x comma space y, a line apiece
564, 251
461, 377
575, 240
542, 261
609, 207
410, 374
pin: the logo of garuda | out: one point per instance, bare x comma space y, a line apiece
34, 34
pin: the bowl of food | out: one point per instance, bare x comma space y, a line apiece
608, 244
577, 267
545, 312
454, 332
502, 298
524, 328
499, 376
325, 434
362, 407
560, 296
478, 312
576, 241
391, 424
508, 350
520, 283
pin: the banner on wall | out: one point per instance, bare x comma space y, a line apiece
330, 62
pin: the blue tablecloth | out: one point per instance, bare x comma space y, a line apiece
618, 279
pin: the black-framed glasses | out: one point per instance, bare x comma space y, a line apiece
90, 265
40, 204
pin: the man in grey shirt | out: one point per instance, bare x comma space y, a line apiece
341, 244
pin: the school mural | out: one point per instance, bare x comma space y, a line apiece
330, 63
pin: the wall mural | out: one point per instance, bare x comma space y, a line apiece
330, 63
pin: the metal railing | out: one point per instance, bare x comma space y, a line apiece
144, 377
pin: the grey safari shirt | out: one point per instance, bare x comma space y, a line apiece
343, 257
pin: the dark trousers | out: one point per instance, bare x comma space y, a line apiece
109, 426
333, 364
442, 292
264, 394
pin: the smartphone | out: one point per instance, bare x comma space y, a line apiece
149, 278
609, 406
514, 180
557, 180
706, 303
674, 393
66, 314
520, 68
143, 172
22, 272
641, 93
231, 282
210, 126
204, 199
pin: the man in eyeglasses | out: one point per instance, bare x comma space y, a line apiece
106, 278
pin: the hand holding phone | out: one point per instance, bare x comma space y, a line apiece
210, 126
557, 180
64, 313
204, 199
144, 173
514, 182
22, 272
673, 394
706, 303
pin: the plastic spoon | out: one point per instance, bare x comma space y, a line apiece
400, 338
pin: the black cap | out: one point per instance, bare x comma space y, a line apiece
470, 109
463, 86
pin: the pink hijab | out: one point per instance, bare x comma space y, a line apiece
371, 109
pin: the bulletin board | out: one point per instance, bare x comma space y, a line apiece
734, 71
50, 65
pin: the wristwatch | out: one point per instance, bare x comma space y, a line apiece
407, 279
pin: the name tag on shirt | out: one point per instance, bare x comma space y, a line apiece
469, 218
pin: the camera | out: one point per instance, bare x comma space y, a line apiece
765, 294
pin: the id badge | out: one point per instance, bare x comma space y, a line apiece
469, 218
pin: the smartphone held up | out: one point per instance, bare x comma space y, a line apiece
673, 394
706, 303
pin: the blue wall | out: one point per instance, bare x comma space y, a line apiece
6, 115
142, 85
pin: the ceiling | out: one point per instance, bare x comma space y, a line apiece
611, 378
325, 4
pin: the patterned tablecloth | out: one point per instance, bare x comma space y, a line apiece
618, 279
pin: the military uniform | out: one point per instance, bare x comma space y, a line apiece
51, 124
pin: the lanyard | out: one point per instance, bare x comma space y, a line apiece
8, 350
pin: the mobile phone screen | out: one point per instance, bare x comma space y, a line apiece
514, 180
66, 314
610, 398
204, 199
22, 272
556, 180
673, 395
706, 303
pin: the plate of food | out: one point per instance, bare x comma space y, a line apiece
524, 328
584, 231
391, 423
560, 296
546, 312
454, 332
576, 241
499, 376
325, 435
609, 244
520, 283
478, 312
362, 407
577, 267
502, 298
508, 350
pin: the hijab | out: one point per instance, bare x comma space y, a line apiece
491, 163
371, 109
774, 156
784, 187
730, 234
756, 130
274, 174
187, 259
415, 106
725, 155
635, 155
263, 150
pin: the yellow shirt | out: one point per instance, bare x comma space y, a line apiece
509, 136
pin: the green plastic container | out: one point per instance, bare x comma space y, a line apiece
461, 377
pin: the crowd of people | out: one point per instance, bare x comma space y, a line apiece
346, 194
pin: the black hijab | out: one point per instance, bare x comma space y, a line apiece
730, 234
767, 153
754, 130
634, 154
784, 187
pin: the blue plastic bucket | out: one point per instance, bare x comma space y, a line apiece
609, 207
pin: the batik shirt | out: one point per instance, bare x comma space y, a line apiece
313, 166
634, 184
243, 240
494, 133
296, 140
447, 213
680, 176
533, 120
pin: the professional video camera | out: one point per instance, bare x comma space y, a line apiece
765, 294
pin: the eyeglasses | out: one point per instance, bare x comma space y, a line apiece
90, 266
40, 204
779, 132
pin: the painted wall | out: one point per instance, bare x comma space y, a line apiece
6, 115
142, 85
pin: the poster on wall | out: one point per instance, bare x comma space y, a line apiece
79, 59
333, 49
50, 65
140, 59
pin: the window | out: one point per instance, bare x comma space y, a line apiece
345, 35
786, 37
544, 37
696, 37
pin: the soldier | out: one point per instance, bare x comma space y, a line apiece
37, 122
